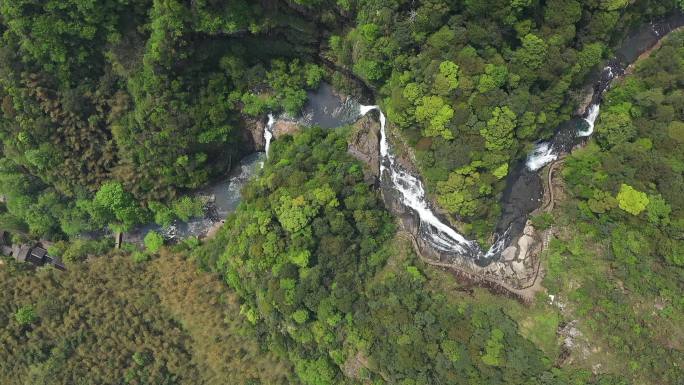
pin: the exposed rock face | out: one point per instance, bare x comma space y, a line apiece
364, 145
285, 127
588, 96
252, 132
515, 272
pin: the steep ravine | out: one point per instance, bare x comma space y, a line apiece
512, 262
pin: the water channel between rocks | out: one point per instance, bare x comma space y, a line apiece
522, 195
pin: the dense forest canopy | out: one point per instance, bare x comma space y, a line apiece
144, 98
471, 84
152, 95
311, 254
113, 111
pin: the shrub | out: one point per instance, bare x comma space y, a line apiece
25, 315
153, 241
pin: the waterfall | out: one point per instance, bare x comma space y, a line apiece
440, 235
590, 119
540, 156
543, 152
268, 133
608, 70
592, 112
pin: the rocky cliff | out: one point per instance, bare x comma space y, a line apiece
252, 133
364, 145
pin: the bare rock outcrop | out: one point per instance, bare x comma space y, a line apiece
516, 273
285, 127
364, 145
252, 132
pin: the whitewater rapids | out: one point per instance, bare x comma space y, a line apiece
440, 235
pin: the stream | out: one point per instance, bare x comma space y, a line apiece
325, 108
524, 188
522, 195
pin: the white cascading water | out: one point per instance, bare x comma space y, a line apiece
543, 152
268, 133
540, 156
590, 119
439, 234
609, 71
592, 111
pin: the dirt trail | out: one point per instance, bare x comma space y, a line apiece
525, 295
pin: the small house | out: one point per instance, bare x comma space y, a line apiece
35, 255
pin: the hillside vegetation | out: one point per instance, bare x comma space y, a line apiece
114, 321
618, 262
113, 112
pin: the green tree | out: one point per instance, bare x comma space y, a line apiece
314, 75
163, 215
187, 207
494, 77
447, 78
461, 192
452, 350
676, 131
601, 202
434, 113
113, 205
442, 39
613, 5
494, 348
369, 69
615, 126
501, 171
140, 257
533, 52
658, 210
315, 372
499, 131
632, 200
300, 316
294, 213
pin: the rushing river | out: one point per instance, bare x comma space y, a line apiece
523, 191
325, 108
524, 188
438, 234
223, 198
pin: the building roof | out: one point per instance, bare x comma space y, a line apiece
21, 252
38, 252
35, 255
